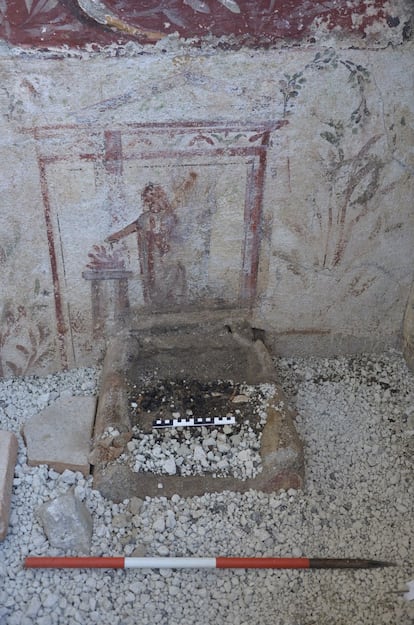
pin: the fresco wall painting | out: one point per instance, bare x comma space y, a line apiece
175, 225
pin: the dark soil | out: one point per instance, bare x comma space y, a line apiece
160, 399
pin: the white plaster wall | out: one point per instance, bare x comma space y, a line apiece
336, 235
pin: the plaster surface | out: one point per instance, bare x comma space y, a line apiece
277, 182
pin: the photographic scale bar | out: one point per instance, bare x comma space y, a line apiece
90, 562
180, 422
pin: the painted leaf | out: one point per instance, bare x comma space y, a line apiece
23, 349
231, 5
42, 357
32, 338
43, 6
174, 17
43, 333
98, 11
198, 5
3, 9
13, 368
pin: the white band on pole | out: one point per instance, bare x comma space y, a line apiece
170, 563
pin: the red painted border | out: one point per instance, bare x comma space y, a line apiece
109, 151
253, 22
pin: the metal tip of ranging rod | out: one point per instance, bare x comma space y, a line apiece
347, 563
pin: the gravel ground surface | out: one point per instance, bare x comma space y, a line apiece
356, 417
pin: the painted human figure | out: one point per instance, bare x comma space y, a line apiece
163, 279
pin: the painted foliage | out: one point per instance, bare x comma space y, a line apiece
349, 213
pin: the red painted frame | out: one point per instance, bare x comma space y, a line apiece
251, 141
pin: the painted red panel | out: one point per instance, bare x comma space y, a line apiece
44, 23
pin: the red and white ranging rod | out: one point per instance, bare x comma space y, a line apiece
103, 562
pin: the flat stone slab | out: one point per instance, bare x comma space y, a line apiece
60, 435
8, 455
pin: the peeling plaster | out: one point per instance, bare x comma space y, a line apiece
224, 23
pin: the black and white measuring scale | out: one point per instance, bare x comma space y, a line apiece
180, 422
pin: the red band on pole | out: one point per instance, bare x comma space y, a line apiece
86, 562
262, 563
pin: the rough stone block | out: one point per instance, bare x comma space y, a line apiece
67, 523
8, 454
60, 435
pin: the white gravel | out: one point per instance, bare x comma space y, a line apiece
232, 450
356, 417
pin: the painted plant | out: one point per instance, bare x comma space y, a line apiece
354, 156
26, 342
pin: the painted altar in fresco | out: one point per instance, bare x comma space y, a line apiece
176, 220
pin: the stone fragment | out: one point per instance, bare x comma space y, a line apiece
67, 523
244, 455
240, 399
199, 454
8, 455
120, 520
170, 520
169, 466
33, 607
60, 435
135, 505
140, 551
159, 524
